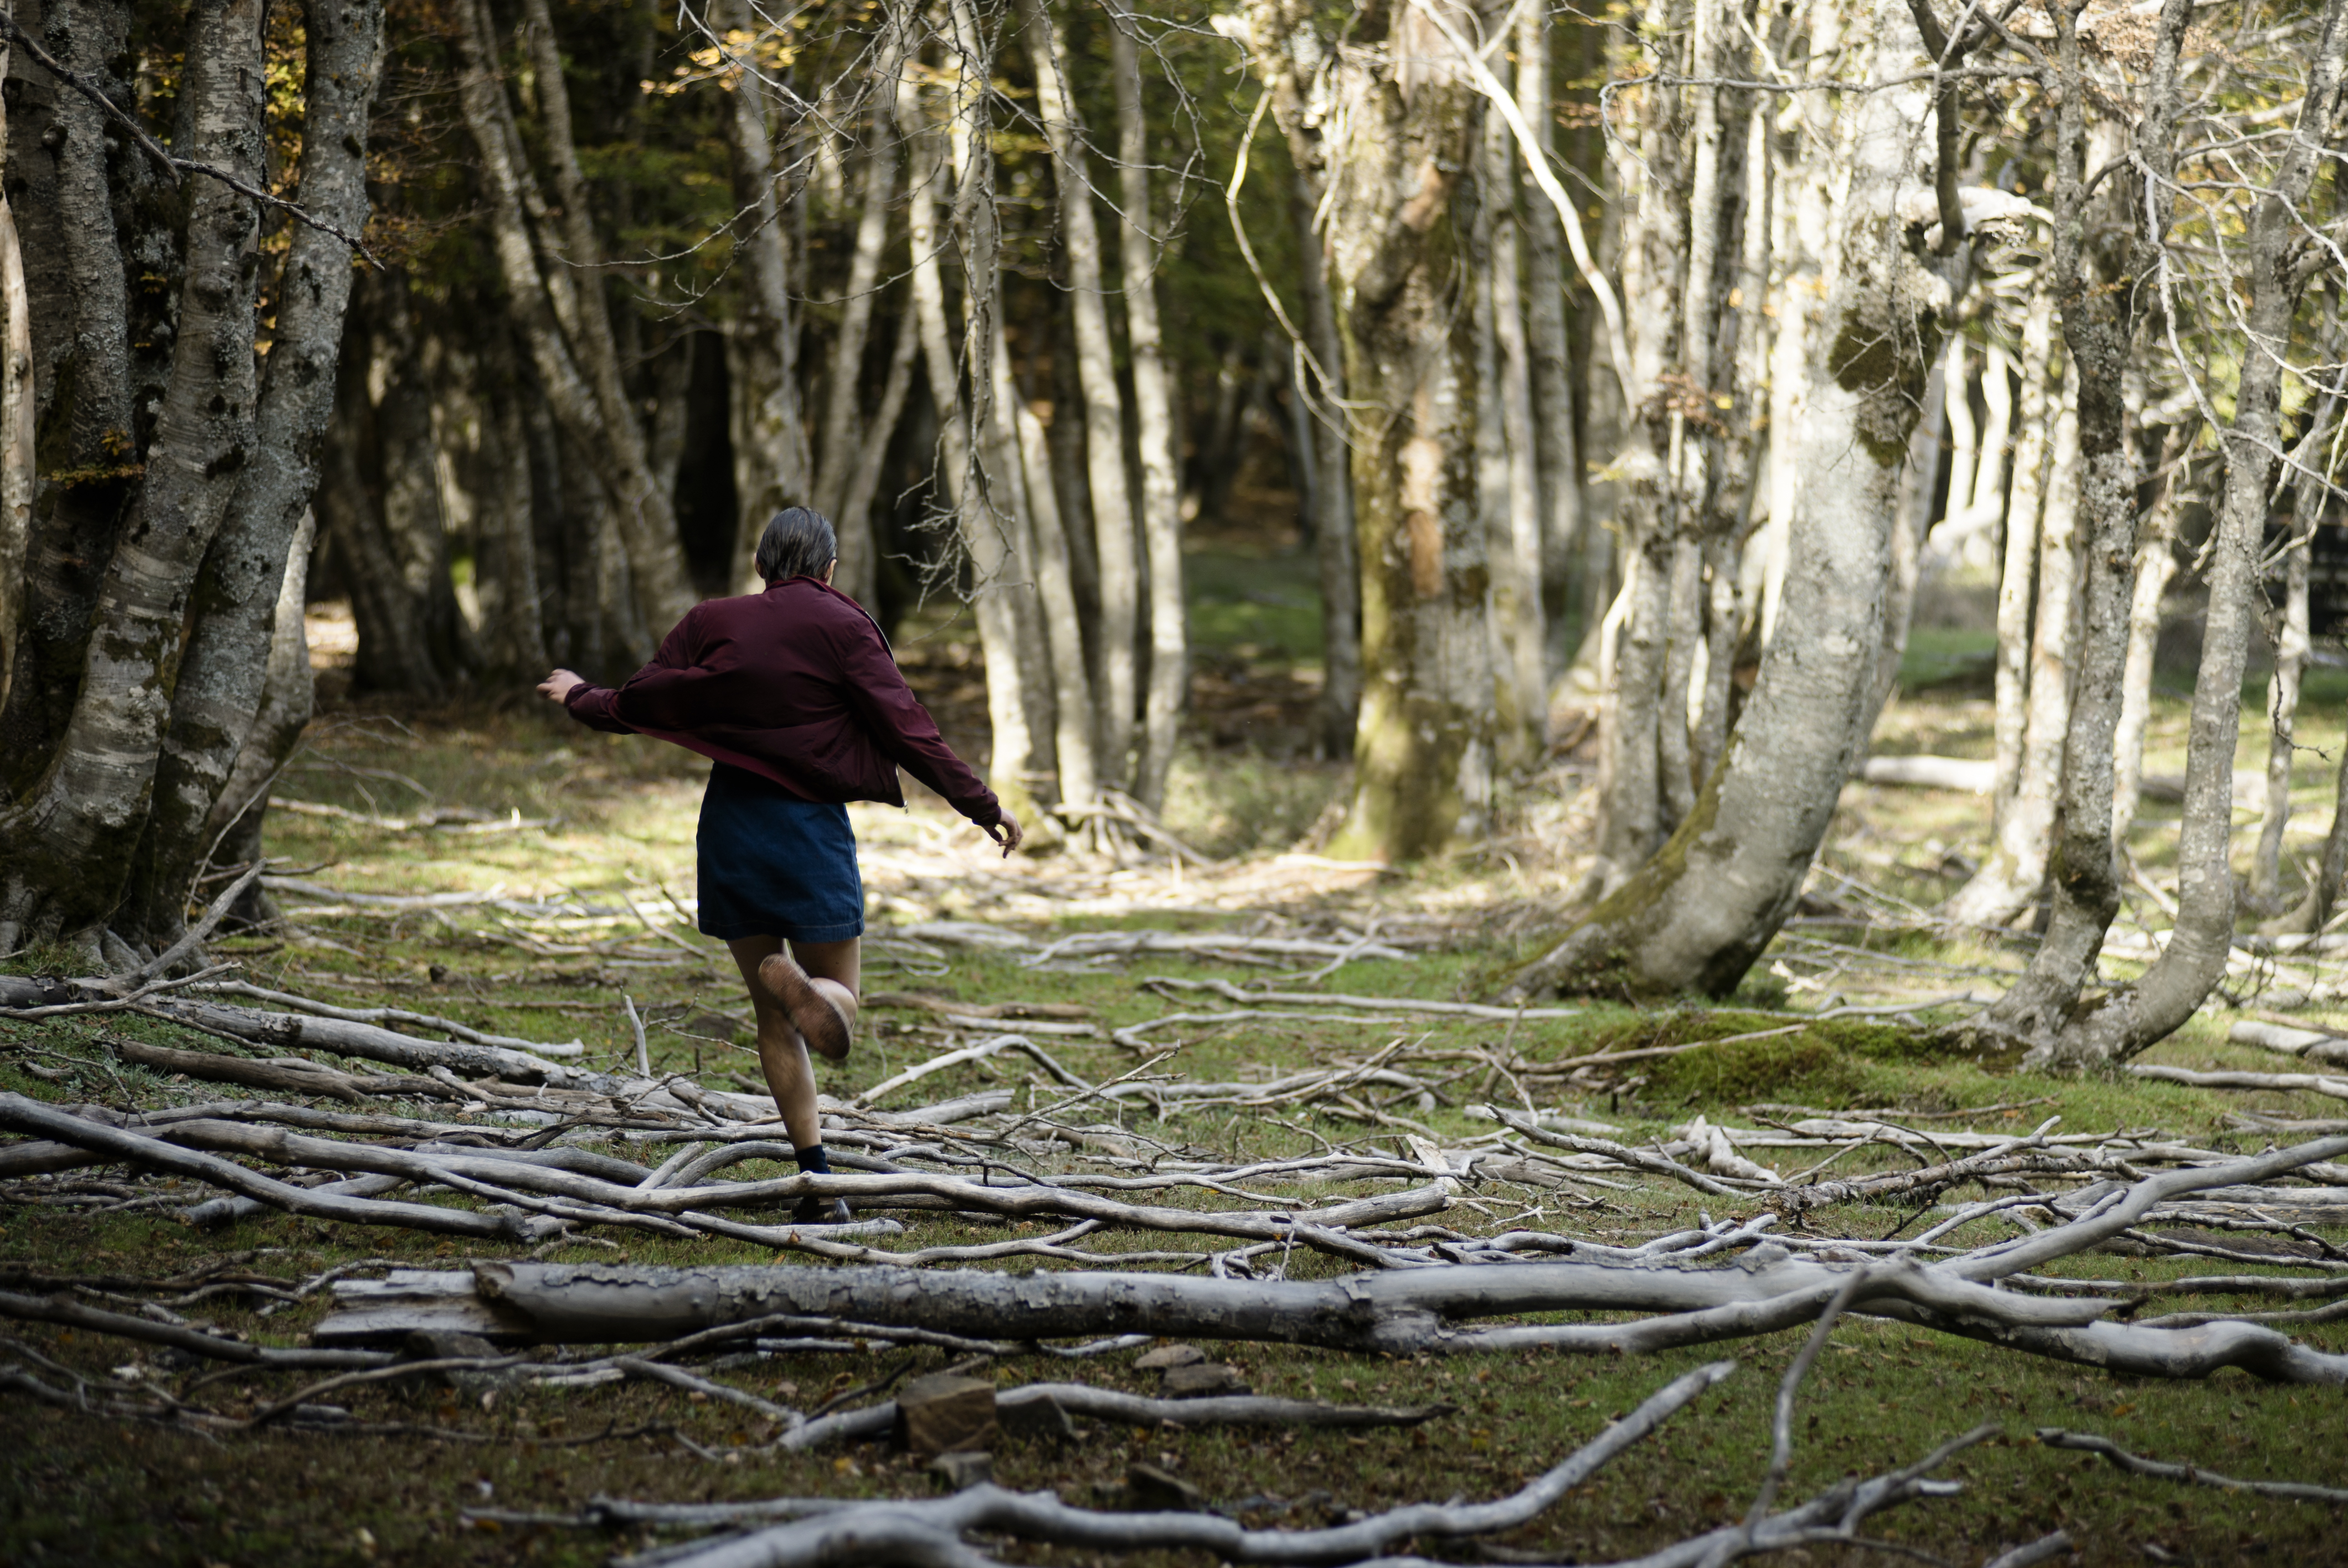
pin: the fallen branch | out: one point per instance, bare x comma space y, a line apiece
2337, 1088
929, 1530
1622, 1154
2086, 1442
1338, 999
22, 1115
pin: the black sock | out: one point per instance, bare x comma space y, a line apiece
811, 1160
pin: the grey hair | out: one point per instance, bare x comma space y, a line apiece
797, 543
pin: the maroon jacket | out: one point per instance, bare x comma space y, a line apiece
798, 685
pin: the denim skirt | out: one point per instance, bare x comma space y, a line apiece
772, 865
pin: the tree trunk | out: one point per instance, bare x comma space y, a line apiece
1423, 749
864, 478
1523, 635
557, 319
1545, 331
67, 841
1103, 405
1993, 888
1291, 55
1076, 743
2290, 648
1697, 916
1510, 717
2155, 564
381, 502
646, 511
983, 542
232, 832
2118, 1025
505, 542
16, 417
843, 442
234, 610
1161, 486
93, 355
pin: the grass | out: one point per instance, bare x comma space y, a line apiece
80, 1490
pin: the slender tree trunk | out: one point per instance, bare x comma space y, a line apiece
555, 317
843, 441
234, 613
1697, 916
2127, 1020
1910, 526
864, 478
232, 831
1075, 741
1104, 403
1991, 895
983, 541
2290, 648
505, 545
2156, 565
647, 514
1423, 749
67, 842
1525, 636
1160, 511
1292, 55
16, 419
1510, 718
1546, 338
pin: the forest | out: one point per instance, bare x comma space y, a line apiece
1673, 672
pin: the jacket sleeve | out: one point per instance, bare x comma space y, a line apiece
903, 728
600, 707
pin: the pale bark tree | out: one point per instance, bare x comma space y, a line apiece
1160, 509
1524, 637
1546, 338
17, 423
1296, 65
84, 738
2044, 1010
1399, 133
1097, 393
2288, 631
1698, 913
1995, 893
236, 613
771, 467
844, 435
565, 323
979, 530
2156, 568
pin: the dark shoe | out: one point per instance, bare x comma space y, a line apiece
809, 1010
821, 1212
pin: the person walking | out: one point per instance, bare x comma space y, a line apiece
794, 696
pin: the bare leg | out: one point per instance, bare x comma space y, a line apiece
832, 970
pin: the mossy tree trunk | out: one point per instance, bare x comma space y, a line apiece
1696, 914
1402, 135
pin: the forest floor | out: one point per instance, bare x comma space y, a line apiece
539, 808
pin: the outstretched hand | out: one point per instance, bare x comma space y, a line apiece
559, 686
1005, 832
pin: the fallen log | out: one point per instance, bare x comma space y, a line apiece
1044, 1404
